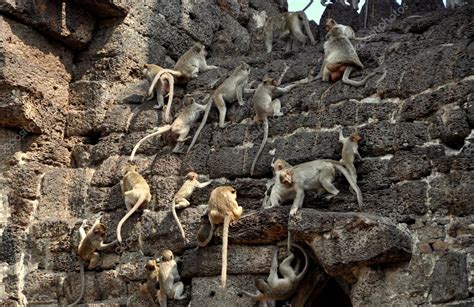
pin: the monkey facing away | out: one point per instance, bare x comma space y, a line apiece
230, 90
340, 59
88, 246
276, 288
180, 200
180, 126
222, 208
161, 82
264, 106
171, 286
288, 23
292, 181
150, 288
136, 192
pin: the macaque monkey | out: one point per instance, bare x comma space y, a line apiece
264, 106
136, 192
350, 147
150, 288
161, 81
276, 288
340, 59
88, 246
180, 200
171, 286
288, 23
346, 30
192, 62
230, 90
292, 181
223, 208
180, 126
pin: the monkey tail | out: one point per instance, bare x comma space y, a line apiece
203, 122
265, 136
306, 262
352, 183
129, 213
307, 28
225, 237
170, 97
173, 210
160, 130
83, 284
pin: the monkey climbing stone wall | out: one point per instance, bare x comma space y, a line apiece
71, 114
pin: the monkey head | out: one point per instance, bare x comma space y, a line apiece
129, 167
151, 265
199, 48
355, 137
100, 230
245, 67
269, 81
279, 165
262, 285
330, 23
335, 31
167, 255
192, 176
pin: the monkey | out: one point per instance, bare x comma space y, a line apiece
192, 62
230, 90
340, 59
161, 81
276, 288
150, 288
317, 175
205, 232
264, 106
180, 126
346, 30
171, 286
180, 200
288, 23
89, 244
136, 192
350, 147
223, 208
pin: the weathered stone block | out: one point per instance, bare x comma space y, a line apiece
451, 193
449, 279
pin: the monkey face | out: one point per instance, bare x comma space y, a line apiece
167, 255
100, 230
200, 49
245, 67
286, 177
355, 137
192, 176
151, 265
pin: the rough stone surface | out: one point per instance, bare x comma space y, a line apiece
70, 117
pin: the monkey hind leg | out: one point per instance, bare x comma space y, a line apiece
94, 260
181, 203
347, 73
178, 289
276, 105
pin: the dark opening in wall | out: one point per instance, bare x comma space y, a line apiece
331, 295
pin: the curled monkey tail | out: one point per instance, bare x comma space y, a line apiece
306, 262
351, 181
254, 296
83, 284
170, 97
265, 136
210, 234
203, 122
306, 27
173, 210
225, 237
160, 130
129, 213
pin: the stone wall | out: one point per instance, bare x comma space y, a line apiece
70, 114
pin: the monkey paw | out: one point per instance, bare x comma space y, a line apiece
293, 211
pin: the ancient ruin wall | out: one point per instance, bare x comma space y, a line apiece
70, 114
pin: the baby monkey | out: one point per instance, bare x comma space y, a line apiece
136, 192
350, 147
181, 199
88, 246
171, 286
150, 288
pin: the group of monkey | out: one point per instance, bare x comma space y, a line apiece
288, 183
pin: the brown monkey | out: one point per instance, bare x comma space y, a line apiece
180, 126
264, 106
161, 81
88, 246
288, 23
192, 62
276, 288
150, 288
340, 59
180, 200
350, 147
223, 208
230, 90
171, 286
318, 175
136, 192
